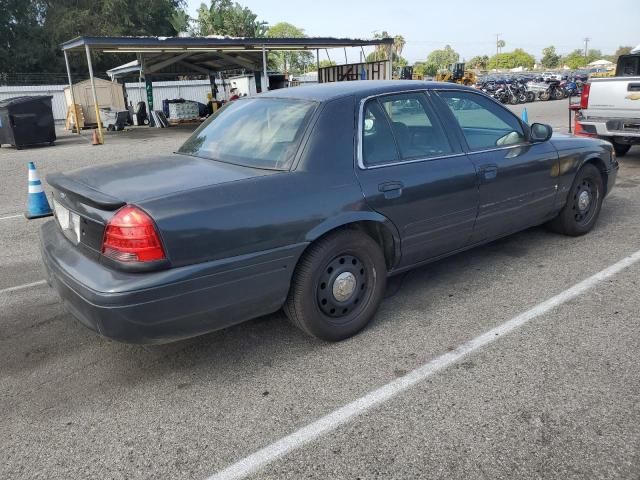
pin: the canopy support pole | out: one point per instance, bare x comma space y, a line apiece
318, 63
265, 87
95, 95
73, 97
390, 65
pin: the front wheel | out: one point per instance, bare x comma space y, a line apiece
337, 286
583, 205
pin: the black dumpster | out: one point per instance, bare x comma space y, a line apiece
26, 121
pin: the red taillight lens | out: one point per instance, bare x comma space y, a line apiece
131, 236
584, 97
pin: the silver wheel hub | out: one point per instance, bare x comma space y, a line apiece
584, 199
343, 286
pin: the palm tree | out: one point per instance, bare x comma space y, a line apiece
398, 44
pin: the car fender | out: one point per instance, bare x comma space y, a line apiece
346, 218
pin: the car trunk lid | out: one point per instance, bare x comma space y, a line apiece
108, 187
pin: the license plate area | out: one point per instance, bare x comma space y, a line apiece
68, 221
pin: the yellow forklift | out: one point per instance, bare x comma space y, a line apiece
456, 73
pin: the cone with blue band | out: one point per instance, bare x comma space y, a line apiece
525, 116
37, 203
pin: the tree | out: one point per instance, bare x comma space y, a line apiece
294, 62
425, 69
180, 21
480, 62
620, 51
550, 59
517, 58
327, 63
224, 17
31, 31
380, 52
577, 59
398, 44
444, 57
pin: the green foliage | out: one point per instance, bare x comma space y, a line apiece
397, 62
480, 62
380, 52
425, 69
550, 59
292, 62
31, 31
180, 21
517, 58
327, 63
444, 57
576, 59
620, 51
228, 18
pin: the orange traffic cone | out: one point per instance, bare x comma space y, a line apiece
95, 140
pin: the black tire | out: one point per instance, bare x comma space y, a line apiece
578, 217
621, 149
531, 97
312, 304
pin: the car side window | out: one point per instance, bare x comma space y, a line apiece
378, 144
484, 123
415, 126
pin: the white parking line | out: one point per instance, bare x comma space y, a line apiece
341, 416
12, 216
22, 287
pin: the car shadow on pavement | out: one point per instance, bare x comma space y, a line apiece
57, 349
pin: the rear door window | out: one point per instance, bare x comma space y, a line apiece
415, 126
378, 144
484, 123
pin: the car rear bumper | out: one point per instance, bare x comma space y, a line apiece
168, 305
612, 127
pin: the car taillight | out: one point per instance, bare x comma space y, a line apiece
131, 236
584, 97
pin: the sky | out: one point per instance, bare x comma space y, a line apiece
469, 26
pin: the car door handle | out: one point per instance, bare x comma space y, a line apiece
488, 172
633, 87
391, 189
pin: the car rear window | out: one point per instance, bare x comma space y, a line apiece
253, 132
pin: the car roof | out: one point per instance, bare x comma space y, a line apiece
362, 88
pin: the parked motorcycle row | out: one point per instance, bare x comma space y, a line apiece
514, 90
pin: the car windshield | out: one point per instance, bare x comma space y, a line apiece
253, 132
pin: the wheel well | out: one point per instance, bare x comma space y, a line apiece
600, 165
378, 232
382, 236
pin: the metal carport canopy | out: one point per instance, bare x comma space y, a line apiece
201, 55
206, 54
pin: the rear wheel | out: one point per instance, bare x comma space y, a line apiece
337, 286
583, 205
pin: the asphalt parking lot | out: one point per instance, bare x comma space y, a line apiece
557, 397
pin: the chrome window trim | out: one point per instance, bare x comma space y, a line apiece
360, 157
359, 154
482, 94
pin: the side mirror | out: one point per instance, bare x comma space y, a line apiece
540, 132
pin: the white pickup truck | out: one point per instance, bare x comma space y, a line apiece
610, 107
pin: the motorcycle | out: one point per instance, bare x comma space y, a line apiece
556, 91
573, 88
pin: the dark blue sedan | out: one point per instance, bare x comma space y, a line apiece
307, 199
